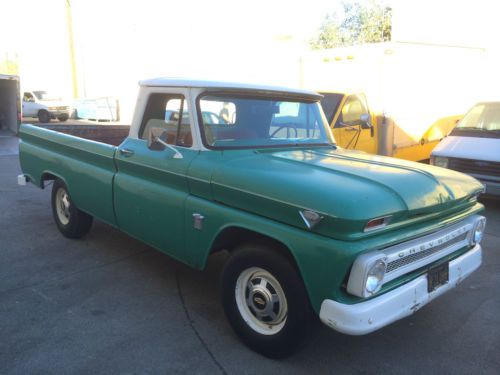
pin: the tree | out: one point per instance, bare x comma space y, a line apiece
367, 22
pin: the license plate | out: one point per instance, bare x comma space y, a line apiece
437, 276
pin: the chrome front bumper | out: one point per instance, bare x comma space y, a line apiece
56, 113
365, 317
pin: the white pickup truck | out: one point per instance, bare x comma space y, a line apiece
39, 104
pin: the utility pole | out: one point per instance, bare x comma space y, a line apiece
69, 21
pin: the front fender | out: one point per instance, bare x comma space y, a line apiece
322, 262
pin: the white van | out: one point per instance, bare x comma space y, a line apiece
40, 105
473, 146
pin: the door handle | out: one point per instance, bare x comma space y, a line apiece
126, 152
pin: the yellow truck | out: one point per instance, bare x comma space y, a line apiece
395, 99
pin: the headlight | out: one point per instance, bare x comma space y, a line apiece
375, 276
477, 235
367, 274
439, 161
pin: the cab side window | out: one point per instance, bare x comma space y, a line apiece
27, 97
171, 113
353, 108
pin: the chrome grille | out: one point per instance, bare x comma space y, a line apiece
398, 263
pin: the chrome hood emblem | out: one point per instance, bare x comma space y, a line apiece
311, 218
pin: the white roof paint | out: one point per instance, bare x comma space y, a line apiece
181, 82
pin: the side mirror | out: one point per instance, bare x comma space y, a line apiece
364, 120
154, 135
157, 144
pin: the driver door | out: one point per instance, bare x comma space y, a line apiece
357, 136
150, 187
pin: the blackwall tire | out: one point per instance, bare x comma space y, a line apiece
70, 221
265, 300
43, 116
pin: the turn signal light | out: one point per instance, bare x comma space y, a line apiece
377, 223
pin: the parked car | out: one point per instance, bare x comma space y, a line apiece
359, 240
473, 147
39, 104
208, 117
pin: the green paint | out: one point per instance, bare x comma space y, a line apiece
152, 197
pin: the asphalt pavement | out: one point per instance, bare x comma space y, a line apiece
110, 304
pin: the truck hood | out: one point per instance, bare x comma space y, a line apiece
469, 148
347, 188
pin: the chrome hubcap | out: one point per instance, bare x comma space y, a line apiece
261, 301
62, 206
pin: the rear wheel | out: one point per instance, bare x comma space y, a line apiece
43, 116
265, 300
63, 118
72, 222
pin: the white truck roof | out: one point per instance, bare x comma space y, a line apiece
181, 82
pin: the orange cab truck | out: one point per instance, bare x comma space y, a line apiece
396, 99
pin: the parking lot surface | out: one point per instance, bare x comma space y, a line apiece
110, 304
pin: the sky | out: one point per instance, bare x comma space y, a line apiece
246, 41
119, 39
119, 42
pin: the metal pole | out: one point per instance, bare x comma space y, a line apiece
69, 21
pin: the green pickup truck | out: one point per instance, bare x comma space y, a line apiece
312, 229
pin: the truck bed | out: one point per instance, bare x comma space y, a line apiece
82, 156
110, 134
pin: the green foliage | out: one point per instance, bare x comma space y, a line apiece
360, 22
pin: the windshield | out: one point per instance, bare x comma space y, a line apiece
231, 121
43, 95
482, 120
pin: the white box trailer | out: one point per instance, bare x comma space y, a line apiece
10, 103
416, 91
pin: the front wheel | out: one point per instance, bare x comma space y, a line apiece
43, 116
63, 118
72, 222
265, 300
